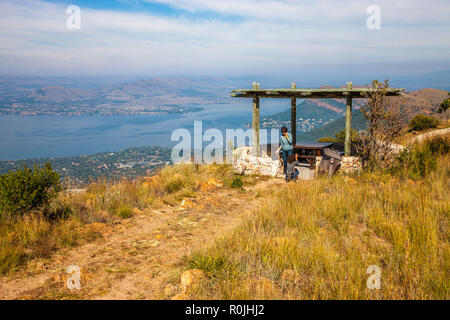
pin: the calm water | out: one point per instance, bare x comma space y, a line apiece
56, 136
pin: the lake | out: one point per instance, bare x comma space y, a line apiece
58, 136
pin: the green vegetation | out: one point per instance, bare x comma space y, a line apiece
237, 183
444, 106
28, 189
339, 137
418, 161
311, 242
422, 122
125, 212
81, 170
70, 219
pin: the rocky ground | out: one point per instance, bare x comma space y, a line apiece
143, 257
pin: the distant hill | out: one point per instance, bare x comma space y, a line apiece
328, 130
309, 109
153, 96
424, 101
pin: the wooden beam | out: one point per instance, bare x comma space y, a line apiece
355, 93
348, 122
294, 117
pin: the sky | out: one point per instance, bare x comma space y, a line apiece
224, 37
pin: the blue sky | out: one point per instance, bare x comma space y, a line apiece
224, 37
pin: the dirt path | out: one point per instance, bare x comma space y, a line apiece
143, 257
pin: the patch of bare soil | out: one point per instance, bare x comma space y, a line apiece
142, 257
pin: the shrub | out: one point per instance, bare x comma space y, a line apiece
58, 210
10, 259
439, 145
418, 161
327, 140
125, 212
174, 183
339, 137
237, 183
444, 106
28, 189
422, 122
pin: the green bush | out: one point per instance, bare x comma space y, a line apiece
422, 122
340, 137
125, 212
28, 189
418, 161
327, 140
174, 184
444, 106
237, 183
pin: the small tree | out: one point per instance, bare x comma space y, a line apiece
385, 123
444, 105
339, 137
28, 189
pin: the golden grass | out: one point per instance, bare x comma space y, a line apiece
32, 236
328, 232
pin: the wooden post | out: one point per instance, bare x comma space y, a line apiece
348, 122
255, 138
294, 116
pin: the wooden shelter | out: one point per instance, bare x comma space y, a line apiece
348, 93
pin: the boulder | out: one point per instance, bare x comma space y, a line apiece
244, 162
191, 278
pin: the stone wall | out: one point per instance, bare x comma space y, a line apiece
350, 164
246, 163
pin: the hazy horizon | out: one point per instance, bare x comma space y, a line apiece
319, 40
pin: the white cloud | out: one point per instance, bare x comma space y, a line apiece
272, 36
414, 12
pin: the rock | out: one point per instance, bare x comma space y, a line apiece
244, 162
424, 136
191, 278
350, 164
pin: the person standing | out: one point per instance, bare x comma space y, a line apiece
286, 146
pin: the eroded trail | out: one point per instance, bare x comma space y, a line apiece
140, 257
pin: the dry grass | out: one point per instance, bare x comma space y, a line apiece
328, 232
34, 237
